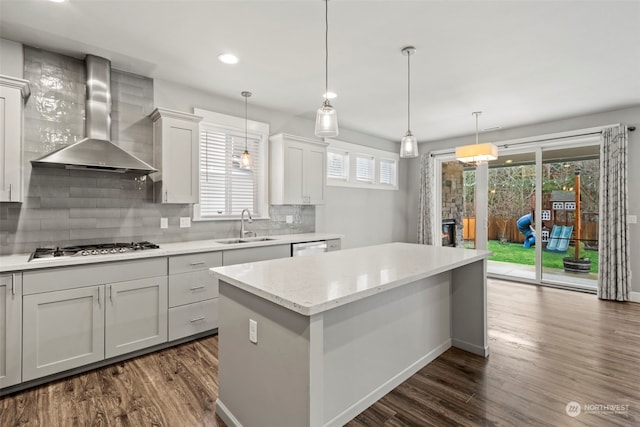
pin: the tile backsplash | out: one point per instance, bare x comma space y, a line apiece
66, 207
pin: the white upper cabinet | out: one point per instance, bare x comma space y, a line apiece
13, 93
297, 170
175, 154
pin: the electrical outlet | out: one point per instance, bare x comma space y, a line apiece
185, 222
632, 219
253, 331
164, 222
289, 219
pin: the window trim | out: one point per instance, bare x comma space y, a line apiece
237, 124
353, 151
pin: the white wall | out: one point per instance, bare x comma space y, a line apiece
628, 116
365, 217
11, 58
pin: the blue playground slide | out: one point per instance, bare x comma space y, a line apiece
559, 238
524, 226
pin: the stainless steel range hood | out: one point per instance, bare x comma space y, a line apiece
96, 151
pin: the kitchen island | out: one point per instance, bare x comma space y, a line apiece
313, 341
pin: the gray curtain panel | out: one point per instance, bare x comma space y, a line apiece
425, 200
614, 267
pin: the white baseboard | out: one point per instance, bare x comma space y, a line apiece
359, 406
471, 348
226, 415
634, 296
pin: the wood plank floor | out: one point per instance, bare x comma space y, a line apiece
548, 347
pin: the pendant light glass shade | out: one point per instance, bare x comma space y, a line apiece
245, 159
326, 117
409, 143
477, 154
326, 121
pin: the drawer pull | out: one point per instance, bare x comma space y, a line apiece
195, 288
197, 319
197, 263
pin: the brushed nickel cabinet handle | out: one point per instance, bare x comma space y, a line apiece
197, 319
110, 296
98, 297
195, 288
193, 264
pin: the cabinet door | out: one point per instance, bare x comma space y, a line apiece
314, 174
10, 145
294, 174
136, 315
181, 163
10, 329
62, 330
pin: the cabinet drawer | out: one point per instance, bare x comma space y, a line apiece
186, 288
193, 262
193, 318
56, 279
261, 253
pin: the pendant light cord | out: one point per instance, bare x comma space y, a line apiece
409, 92
477, 113
326, 50
245, 123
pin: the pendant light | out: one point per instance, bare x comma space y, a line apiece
409, 143
326, 117
477, 154
245, 159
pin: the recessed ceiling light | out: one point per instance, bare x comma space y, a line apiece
57, 1
228, 58
329, 95
508, 161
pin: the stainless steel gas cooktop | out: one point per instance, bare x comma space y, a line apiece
90, 250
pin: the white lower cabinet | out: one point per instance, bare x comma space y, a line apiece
62, 330
135, 315
10, 329
193, 294
191, 319
75, 316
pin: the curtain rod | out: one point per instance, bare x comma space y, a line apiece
530, 141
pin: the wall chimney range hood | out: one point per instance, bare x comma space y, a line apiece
96, 151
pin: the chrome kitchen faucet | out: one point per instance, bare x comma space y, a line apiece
244, 233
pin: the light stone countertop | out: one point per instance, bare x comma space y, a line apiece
312, 284
19, 262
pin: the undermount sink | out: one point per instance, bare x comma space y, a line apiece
245, 240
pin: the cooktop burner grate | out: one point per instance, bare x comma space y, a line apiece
91, 250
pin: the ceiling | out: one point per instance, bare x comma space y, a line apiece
520, 62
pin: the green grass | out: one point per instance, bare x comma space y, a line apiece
516, 253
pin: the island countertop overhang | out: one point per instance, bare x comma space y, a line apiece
313, 284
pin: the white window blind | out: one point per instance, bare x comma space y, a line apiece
337, 165
225, 189
364, 168
387, 172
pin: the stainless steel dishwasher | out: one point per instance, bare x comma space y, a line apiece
308, 248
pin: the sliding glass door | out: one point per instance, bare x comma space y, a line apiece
536, 208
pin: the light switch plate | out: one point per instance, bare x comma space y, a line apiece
289, 219
253, 331
185, 222
164, 222
632, 219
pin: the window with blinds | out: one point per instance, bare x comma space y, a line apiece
364, 168
388, 172
225, 189
360, 166
337, 165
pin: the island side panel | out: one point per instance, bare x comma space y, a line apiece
268, 383
374, 344
469, 307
